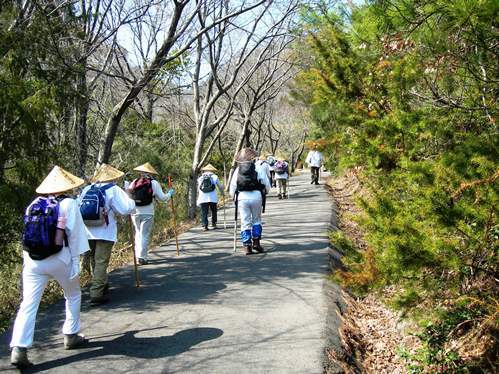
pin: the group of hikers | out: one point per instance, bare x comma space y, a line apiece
60, 228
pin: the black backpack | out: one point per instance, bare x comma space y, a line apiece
142, 191
247, 178
207, 184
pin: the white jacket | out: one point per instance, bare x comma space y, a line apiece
209, 197
117, 202
314, 159
264, 165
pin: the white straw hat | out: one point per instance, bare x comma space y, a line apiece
146, 168
58, 181
106, 173
209, 167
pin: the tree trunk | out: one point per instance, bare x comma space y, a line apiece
150, 101
82, 107
119, 110
192, 184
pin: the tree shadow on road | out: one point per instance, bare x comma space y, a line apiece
130, 345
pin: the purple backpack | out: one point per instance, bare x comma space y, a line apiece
281, 167
40, 228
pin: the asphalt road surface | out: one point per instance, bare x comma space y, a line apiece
209, 310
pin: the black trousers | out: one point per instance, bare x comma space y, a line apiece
315, 174
272, 178
204, 213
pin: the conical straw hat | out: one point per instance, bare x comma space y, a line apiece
209, 167
246, 154
106, 173
146, 168
57, 181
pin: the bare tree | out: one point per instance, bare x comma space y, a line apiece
233, 51
182, 31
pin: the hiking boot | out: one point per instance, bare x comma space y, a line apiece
248, 250
96, 301
214, 226
279, 196
206, 228
19, 357
142, 261
72, 341
257, 246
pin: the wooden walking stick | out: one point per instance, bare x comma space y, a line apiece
132, 237
172, 205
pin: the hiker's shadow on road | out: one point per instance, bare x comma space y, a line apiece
134, 346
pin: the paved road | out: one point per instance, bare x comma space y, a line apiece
210, 310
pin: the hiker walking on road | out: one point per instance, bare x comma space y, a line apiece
271, 161
99, 204
314, 161
54, 238
263, 163
208, 182
144, 190
282, 176
249, 186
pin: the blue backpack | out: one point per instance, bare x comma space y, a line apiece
93, 205
41, 237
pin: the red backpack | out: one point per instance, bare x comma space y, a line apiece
142, 191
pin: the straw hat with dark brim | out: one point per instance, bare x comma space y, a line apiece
246, 154
58, 181
146, 168
106, 173
209, 167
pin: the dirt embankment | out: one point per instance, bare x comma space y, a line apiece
371, 333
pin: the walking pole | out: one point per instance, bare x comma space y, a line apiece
235, 225
170, 184
132, 237
225, 221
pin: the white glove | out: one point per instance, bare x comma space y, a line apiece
75, 267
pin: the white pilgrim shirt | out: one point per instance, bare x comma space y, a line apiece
209, 197
265, 165
117, 202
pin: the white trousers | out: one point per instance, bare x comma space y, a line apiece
36, 275
143, 224
251, 213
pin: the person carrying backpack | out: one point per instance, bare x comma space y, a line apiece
282, 176
263, 163
53, 240
271, 161
99, 204
144, 190
248, 186
208, 182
